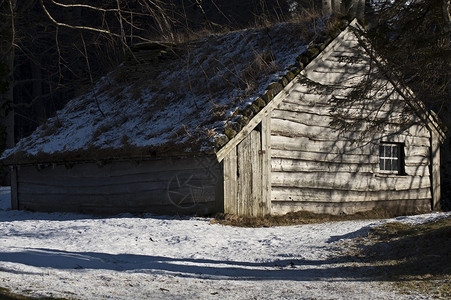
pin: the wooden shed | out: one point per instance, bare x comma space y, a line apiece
282, 148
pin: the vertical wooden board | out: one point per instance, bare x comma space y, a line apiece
256, 179
230, 182
247, 185
244, 176
14, 191
240, 175
266, 165
248, 201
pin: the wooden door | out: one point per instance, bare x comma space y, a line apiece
247, 175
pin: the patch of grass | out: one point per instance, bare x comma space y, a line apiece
50, 128
416, 258
6, 294
101, 130
261, 64
299, 217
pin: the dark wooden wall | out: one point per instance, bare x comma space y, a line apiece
190, 185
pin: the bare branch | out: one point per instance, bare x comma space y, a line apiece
90, 75
99, 9
75, 26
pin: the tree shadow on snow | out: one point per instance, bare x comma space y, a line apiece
351, 235
294, 269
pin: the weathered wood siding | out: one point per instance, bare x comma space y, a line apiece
191, 185
247, 174
316, 167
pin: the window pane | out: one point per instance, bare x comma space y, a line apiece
395, 151
387, 164
381, 151
387, 151
391, 158
394, 165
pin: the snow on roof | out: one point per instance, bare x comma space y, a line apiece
180, 104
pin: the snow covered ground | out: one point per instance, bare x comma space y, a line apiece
147, 257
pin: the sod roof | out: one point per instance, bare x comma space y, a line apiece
178, 99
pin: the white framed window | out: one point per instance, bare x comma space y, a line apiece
391, 158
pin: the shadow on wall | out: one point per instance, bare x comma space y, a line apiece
5, 176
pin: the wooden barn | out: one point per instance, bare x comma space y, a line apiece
267, 131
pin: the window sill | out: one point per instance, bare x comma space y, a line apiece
388, 174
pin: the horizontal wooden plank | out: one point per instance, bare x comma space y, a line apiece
295, 129
322, 195
334, 77
193, 185
124, 168
332, 66
120, 197
318, 109
395, 206
323, 105
297, 165
309, 145
342, 52
411, 160
322, 117
292, 128
65, 199
416, 151
332, 62
112, 209
346, 58
339, 148
417, 170
415, 161
357, 181
324, 157
131, 200
66, 179
303, 117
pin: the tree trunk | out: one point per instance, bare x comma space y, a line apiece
355, 8
446, 8
39, 106
327, 7
6, 97
336, 6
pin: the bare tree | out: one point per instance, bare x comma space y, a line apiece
355, 8
7, 44
50, 47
